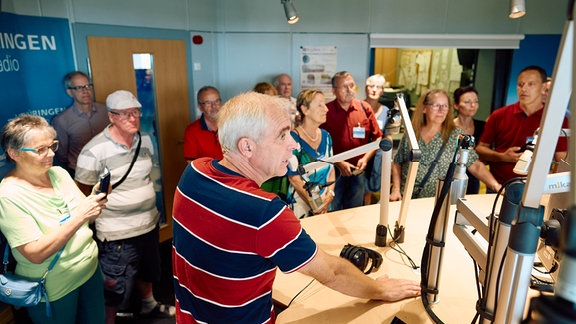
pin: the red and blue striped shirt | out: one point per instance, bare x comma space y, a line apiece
230, 236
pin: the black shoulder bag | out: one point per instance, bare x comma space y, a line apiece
114, 186
420, 186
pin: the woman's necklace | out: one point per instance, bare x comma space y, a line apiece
313, 139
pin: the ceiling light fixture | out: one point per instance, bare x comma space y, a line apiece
290, 11
517, 8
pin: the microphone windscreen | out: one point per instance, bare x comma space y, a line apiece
385, 144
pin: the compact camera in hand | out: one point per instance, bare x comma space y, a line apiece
315, 200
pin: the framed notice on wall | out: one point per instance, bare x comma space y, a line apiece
317, 66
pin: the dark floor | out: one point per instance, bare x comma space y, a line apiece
163, 292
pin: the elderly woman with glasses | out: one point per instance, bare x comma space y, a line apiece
42, 211
438, 139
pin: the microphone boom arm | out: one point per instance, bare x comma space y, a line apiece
415, 156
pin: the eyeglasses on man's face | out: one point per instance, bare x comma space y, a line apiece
42, 150
437, 106
86, 87
347, 86
125, 115
211, 103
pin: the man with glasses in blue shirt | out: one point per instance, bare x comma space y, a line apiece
78, 123
127, 229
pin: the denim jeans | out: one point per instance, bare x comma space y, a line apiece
349, 191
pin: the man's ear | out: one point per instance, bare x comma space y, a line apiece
245, 146
110, 115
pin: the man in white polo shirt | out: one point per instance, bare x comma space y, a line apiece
127, 230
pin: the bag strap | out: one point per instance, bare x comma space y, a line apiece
114, 186
55, 259
7, 252
43, 281
420, 186
5, 259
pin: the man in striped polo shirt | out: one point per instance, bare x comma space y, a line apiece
230, 236
127, 229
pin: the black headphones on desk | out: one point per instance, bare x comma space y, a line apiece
362, 257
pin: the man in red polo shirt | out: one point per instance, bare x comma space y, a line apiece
509, 128
201, 136
351, 123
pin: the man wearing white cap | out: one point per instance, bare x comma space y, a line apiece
126, 231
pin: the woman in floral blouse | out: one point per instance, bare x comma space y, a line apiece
435, 130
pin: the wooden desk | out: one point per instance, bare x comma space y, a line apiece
318, 304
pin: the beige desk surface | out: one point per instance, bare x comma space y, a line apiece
318, 304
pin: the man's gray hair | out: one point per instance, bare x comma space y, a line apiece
246, 115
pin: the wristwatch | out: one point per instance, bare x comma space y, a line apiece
332, 193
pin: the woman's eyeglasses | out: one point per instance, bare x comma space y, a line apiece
437, 106
42, 150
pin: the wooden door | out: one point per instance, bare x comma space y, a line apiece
112, 68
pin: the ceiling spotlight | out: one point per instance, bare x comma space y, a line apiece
517, 8
290, 11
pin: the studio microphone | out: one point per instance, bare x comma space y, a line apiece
393, 121
460, 179
523, 164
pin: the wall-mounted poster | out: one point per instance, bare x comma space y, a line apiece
424, 69
317, 66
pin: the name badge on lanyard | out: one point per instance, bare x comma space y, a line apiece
358, 132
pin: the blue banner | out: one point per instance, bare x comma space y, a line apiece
35, 54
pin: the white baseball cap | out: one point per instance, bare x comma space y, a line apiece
122, 99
